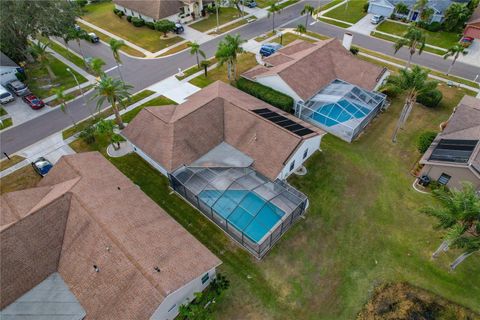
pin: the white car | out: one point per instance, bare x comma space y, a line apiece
376, 19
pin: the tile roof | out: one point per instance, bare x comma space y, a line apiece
112, 224
179, 135
308, 67
155, 9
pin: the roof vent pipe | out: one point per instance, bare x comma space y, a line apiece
347, 40
95, 267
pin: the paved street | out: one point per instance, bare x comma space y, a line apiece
142, 73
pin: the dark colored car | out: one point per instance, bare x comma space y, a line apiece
42, 166
251, 4
18, 87
93, 37
268, 49
178, 28
34, 102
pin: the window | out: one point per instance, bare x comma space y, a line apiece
305, 154
292, 165
205, 278
444, 178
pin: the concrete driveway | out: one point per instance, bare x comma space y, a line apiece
473, 56
21, 112
364, 26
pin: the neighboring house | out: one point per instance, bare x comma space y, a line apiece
228, 154
387, 8
8, 69
332, 88
473, 25
153, 10
454, 156
88, 242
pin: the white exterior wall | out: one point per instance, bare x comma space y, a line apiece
130, 12
437, 18
152, 162
277, 83
312, 145
7, 74
168, 309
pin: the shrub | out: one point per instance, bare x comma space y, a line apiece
115, 10
88, 134
354, 50
365, 7
425, 140
129, 18
165, 26
431, 99
120, 13
138, 22
81, 3
150, 25
266, 94
434, 27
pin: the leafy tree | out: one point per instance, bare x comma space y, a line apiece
60, 96
414, 38
455, 16
165, 26
115, 92
274, 9
24, 19
413, 82
427, 14
401, 8
40, 53
96, 65
454, 52
459, 216
308, 11
227, 52
195, 50
115, 46
301, 28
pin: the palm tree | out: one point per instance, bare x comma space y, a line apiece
454, 52
227, 52
40, 53
274, 9
77, 35
413, 82
96, 65
420, 6
301, 28
116, 45
459, 216
195, 50
413, 38
308, 11
115, 92
60, 96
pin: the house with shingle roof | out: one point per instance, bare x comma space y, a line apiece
228, 154
454, 155
332, 88
473, 25
87, 243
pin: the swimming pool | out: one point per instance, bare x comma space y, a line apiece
334, 113
245, 210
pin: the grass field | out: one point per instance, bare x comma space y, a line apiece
352, 11
226, 14
245, 62
176, 49
441, 39
23, 178
101, 14
78, 61
331, 4
362, 228
230, 27
40, 83
290, 37
286, 4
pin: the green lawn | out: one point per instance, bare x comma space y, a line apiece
231, 26
331, 4
335, 23
290, 37
362, 228
188, 72
176, 49
101, 15
245, 62
6, 123
5, 163
441, 39
65, 53
21, 179
3, 112
350, 12
158, 101
393, 39
40, 83
226, 14
265, 36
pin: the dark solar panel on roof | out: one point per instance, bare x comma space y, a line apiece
453, 150
283, 122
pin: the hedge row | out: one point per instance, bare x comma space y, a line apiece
273, 97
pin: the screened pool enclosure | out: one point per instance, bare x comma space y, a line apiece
342, 109
249, 207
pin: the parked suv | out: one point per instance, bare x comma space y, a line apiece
5, 96
17, 87
178, 28
376, 19
93, 37
268, 49
251, 3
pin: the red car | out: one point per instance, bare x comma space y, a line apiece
33, 101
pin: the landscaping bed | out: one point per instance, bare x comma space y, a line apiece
6, 123
101, 14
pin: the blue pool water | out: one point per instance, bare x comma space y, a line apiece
332, 114
245, 210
